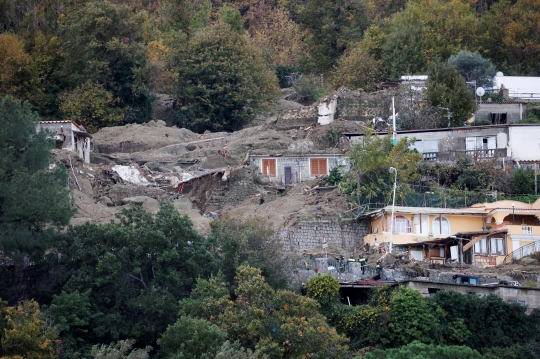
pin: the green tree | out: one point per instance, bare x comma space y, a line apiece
522, 181
278, 324
91, 106
330, 27
223, 82
26, 333
474, 67
133, 272
234, 350
419, 350
121, 350
425, 31
411, 319
447, 89
34, 199
493, 322
371, 159
358, 69
251, 242
103, 43
192, 338
14, 62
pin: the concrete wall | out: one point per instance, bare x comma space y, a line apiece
525, 142
300, 166
531, 296
514, 111
310, 234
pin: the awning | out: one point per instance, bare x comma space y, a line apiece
82, 133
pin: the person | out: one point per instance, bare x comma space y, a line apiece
341, 264
363, 262
350, 260
378, 267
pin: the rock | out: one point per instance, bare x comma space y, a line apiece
528, 261
151, 205
262, 180
106, 201
137, 200
182, 204
153, 166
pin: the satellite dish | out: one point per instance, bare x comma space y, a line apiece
480, 92
499, 74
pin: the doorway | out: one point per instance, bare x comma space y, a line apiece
288, 175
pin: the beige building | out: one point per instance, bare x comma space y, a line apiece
484, 234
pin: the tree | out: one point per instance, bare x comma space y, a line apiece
370, 160
192, 338
419, 350
91, 106
27, 334
223, 82
279, 38
34, 199
447, 89
330, 27
278, 324
474, 67
133, 272
522, 181
13, 62
519, 35
411, 319
251, 242
103, 43
358, 69
485, 317
425, 31
120, 350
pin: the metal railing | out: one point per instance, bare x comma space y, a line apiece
522, 251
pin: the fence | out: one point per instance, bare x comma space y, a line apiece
523, 251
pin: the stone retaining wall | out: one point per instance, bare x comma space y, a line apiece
310, 234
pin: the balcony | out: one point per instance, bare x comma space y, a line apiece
453, 155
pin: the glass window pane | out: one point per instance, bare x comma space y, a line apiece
477, 247
483, 244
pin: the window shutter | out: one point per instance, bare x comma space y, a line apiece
269, 167
318, 166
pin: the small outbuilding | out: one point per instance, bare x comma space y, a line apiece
69, 136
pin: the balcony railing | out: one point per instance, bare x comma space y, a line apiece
527, 229
452, 155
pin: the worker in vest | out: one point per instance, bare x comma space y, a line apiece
378, 267
363, 262
350, 260
341, 264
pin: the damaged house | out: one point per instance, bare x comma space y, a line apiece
69, 136
294, 168
484, 234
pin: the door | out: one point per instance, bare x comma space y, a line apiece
288, 175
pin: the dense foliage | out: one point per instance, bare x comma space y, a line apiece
98, 62
33, 195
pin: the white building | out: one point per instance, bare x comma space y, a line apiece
69, 136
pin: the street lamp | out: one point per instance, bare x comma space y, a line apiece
393, 170
513, 214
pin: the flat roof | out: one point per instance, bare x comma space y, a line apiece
447, 129
428, 210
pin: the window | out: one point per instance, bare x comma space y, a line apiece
319, 166
520, 302
401, 225
480, 247
497, 246
441, 227
493, 246
269, 167
433, 291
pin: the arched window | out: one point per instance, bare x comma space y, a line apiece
401, 225
441, 227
